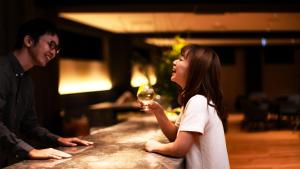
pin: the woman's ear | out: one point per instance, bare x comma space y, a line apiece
28, 41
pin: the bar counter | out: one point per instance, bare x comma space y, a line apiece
118, 147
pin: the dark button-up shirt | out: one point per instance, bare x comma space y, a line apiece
17, 112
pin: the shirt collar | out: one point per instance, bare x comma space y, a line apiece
18, 70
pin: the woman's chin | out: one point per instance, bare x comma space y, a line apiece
172, 78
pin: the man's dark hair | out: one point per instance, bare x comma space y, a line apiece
35, 28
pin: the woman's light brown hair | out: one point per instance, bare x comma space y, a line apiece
203, 76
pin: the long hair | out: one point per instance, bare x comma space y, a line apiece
203, 77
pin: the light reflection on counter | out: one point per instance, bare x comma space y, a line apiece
46, 163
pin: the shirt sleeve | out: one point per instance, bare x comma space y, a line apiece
195, 115
30, 125
8, 139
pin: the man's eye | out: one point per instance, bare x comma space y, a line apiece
52, 45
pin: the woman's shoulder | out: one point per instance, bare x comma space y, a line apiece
197, 99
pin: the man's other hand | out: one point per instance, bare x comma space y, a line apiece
74, 141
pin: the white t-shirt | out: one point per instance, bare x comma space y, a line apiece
209, 149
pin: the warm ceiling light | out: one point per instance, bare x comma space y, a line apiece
149, 22
78, 76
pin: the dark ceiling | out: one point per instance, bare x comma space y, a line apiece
201, 6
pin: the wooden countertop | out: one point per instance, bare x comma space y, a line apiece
118, 147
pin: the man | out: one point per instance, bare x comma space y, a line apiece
36, 44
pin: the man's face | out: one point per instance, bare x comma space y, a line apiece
45, 49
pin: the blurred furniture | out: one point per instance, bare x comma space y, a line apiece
104, 114
82, 111
118, 147
255, 110
287, 110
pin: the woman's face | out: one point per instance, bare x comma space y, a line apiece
179, 71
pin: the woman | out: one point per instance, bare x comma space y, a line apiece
198, 133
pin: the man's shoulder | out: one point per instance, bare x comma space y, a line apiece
5, 67
4, 60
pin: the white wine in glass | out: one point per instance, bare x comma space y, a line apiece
146, 95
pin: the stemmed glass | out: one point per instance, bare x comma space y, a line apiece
145, 95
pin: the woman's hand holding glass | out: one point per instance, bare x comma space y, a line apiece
145, 96
154, 108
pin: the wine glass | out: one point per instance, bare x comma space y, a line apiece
145, 95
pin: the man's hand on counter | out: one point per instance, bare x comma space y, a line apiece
48, 153
74, 141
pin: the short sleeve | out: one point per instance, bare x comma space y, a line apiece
195, 115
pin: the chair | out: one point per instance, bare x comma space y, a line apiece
290, 108
255, 114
